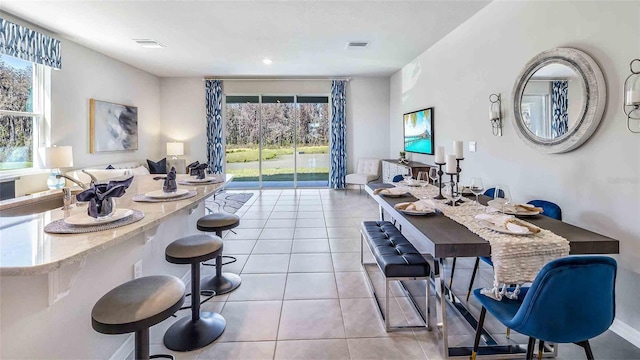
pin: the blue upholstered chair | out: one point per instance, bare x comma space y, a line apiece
397, 178
490, 192
571, 301
549, 209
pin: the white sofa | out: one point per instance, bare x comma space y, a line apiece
102, 173
367, 171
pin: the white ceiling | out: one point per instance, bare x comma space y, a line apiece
227, 38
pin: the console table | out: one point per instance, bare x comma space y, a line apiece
391, 168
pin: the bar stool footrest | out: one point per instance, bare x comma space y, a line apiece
162, 356
209, 295
233, 259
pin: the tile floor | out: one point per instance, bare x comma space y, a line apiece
303, 295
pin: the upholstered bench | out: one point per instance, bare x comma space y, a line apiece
397, 259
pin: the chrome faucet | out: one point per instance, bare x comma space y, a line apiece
83, 186
67, 198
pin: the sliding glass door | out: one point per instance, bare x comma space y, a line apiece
277, 140
312, 141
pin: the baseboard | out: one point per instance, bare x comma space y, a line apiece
626, 331
124, 350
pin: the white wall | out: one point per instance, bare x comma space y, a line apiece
183, 111
183, 115
87, 74
367, 119
597, 185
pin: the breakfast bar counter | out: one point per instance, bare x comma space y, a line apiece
49, 282
25, 249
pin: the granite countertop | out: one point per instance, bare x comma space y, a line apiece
25, 249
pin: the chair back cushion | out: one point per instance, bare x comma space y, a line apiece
368, 166
397, 178
490, 192
571, 300
549, 209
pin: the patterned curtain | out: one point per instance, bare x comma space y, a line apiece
559, 105
26, 44
215, 152
338, 166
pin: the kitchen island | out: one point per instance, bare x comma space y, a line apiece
50, 282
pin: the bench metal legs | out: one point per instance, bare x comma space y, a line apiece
387, 294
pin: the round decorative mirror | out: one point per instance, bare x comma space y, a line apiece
559, 98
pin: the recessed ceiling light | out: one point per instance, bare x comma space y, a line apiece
149, 43
267, 61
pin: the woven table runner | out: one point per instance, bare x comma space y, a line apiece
516, 259
144, 198
61, 227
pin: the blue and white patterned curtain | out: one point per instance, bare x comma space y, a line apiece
215, 152
559, 106
26, 44
338, 166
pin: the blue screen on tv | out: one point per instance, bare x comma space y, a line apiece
418, 131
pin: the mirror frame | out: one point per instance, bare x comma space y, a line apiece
595, 98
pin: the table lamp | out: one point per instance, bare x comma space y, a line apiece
174, 149
57, 157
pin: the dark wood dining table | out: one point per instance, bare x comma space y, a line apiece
444, 238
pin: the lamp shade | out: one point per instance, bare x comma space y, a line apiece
58, 157
175, 148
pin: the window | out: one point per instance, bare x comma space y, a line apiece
22, 95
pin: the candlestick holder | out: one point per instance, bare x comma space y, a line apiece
458, 170
440, 173
455, 185
454, 190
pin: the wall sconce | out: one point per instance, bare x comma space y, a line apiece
495, 114
631, 104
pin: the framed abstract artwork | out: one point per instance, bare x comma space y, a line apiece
113, 127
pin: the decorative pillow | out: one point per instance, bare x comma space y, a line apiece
140, 170
110, 167
159, 167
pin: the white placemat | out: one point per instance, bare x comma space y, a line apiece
144, 198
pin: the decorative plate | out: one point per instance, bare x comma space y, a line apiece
198, 181
414, 212
510, 209
86, 220
160, 194
492, 226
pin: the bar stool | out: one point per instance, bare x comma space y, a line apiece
137, 305
201, 328
221, 283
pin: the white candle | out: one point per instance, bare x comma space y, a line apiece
633, 97
493, 114
452, 165
457, 149
440, 155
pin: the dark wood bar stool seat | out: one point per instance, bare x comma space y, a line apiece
137, 305
221, 282
201, 328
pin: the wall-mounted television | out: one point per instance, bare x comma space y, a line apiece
418, 131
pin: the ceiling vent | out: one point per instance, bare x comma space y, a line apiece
149, 43
357, 44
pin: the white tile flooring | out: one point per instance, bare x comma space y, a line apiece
303, 295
